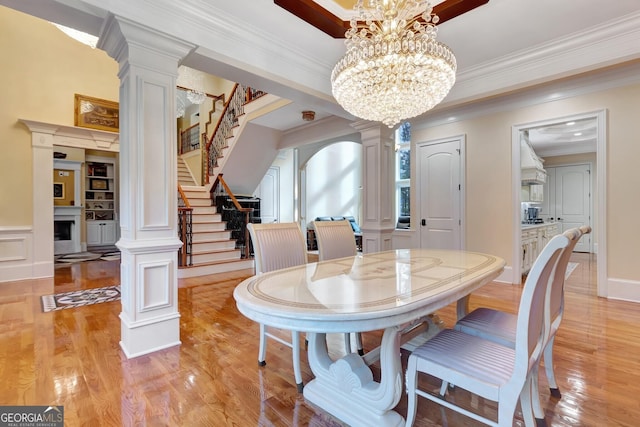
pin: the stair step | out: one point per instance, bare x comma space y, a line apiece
206, 217
205, 210
196, 194
213, 245
199, 202
216, 267
211, 236
205, 227
224, 255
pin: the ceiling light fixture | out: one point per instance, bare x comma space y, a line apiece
193, 81
308, 116
394, 68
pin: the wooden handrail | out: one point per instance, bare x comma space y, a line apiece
209, 143
184, 197
239, 208
184, 216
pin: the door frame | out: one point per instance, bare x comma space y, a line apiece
462, 143
601, 184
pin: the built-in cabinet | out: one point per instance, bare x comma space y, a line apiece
101, 233
532, 193
101, 201
534, 239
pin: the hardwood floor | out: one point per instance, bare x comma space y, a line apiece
72, 358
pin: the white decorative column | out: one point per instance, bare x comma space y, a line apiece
148, 177
378, 165
42, 139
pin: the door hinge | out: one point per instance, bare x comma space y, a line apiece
459, 187
459, 151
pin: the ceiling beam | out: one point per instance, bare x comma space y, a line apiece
314, 14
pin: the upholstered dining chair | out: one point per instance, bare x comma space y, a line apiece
500, 326
485, 368
336, 240
277, 246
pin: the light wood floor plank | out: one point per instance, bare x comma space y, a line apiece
72, 358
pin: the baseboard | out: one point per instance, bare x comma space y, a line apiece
507, 277
625, 290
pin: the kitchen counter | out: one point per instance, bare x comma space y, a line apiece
542, 224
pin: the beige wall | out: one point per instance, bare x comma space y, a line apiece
42, 70
489, 203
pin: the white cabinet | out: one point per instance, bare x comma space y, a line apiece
534, 239
532, 193
101, 233
536, 192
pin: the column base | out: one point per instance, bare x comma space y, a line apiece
141, 338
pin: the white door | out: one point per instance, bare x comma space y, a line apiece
439, 194
573, 200
269, 196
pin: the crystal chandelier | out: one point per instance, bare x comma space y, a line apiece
394, 68
193, 82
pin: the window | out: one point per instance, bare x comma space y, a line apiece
403, 169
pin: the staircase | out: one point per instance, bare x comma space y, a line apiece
185, 178
213, 249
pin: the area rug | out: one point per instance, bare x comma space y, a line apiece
69, 259
80, 298
570, 267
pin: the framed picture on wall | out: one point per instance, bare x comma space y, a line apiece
96, 113
58, 190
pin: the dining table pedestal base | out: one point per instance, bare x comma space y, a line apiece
346, 388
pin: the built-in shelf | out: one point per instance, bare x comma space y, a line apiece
100, 201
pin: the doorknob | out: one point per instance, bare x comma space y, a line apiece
423, 222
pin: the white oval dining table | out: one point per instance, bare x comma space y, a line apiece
376, 291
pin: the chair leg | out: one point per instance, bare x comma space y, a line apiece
359, 343
443, 388
411, 380
548, 367
527, 398
347, 343
262, 351
295, 343
538, 412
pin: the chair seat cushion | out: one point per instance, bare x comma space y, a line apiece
494, 325
471, 359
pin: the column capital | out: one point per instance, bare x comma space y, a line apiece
124, 40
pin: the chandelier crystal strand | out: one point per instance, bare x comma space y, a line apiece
394, 68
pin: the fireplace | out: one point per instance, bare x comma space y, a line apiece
66, 229
62, 230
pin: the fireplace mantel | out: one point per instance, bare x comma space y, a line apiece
74, 136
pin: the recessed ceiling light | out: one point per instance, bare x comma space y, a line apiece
571, 123
577, 134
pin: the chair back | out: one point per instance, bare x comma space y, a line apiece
335, 239
277, 245
530, 330
556, 293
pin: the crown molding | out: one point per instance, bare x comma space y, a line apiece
610, 43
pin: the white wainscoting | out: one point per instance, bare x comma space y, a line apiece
16, 257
